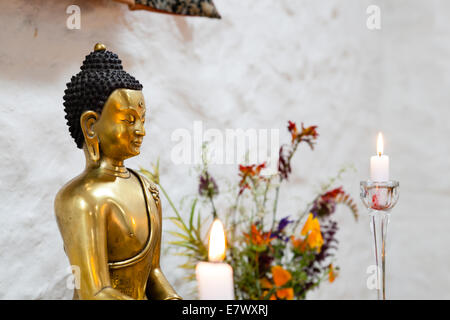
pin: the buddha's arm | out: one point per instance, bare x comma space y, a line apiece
83, 229
158, 288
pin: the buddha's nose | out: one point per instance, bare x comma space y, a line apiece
140, 131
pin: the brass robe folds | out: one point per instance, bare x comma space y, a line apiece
110, 216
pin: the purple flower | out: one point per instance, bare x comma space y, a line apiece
284, 162
207, 185
281, 226
283, 223
264, 261
325, 204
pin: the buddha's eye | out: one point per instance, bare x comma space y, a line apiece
130, 119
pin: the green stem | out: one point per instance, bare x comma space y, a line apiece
233, 234
277, 191
275, 204
213, 207
233, 223
257, 204
258, 285
266, 191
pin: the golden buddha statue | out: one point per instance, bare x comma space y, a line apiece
110, 216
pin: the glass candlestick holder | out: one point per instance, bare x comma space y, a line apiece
379, 198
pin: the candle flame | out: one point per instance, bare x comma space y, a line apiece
380, 144
216, 251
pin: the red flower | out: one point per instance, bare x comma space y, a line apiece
259, 167
308, 134
332, 194
292, 127
249, 172
325, 204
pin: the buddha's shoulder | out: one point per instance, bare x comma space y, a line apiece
79, 193
88, 191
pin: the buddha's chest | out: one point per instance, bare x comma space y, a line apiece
128, 220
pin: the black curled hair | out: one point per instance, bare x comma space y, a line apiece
101, 74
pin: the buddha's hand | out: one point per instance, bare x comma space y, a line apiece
174, 298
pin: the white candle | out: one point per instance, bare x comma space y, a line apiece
379, 164
215, 278
215, 281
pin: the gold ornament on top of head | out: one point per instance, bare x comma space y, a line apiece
99, 47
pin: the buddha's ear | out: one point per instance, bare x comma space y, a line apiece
87, 121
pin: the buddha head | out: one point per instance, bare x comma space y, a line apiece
105, 108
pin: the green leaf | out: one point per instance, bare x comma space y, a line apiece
184, 254
194, 203
184, 244
178, 223
179, 235
187, 265
198, 221
259, 248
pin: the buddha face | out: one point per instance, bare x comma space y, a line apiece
120, 127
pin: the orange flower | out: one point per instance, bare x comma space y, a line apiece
315, 240
299, 244
257, 237
265, 283
287, 293
311, 230
311, 224
332, 274
280, 277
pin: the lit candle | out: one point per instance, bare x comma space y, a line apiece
215, 278
379, 164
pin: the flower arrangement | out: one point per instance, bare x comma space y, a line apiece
272, 258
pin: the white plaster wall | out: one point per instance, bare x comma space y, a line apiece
265, 62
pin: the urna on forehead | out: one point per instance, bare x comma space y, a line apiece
127, 99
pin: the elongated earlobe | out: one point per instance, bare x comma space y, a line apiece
87, 121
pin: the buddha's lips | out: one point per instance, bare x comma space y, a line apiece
137, 143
